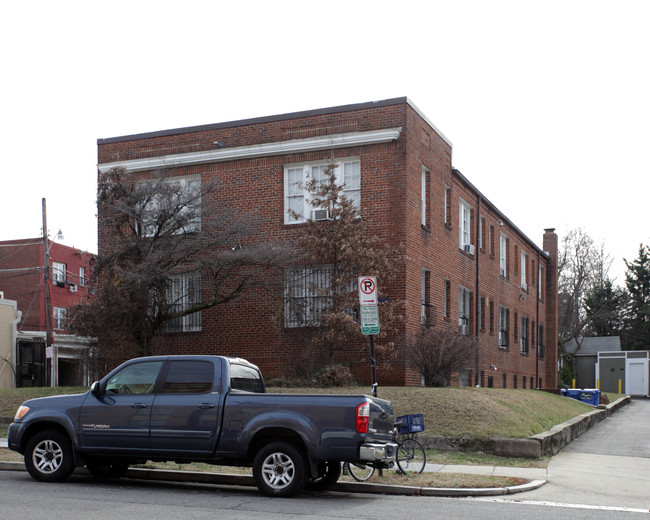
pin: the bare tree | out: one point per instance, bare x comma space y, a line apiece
437, 353
343, 249
582, 265
168, 252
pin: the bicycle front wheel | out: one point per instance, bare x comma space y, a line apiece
360, 472
411, 457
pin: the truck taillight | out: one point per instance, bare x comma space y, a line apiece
363, 415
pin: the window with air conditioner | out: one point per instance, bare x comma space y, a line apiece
504, 318
298, 200
464, 311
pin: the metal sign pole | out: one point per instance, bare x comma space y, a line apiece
373, 367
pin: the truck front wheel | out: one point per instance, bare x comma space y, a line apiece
49, 457
279, 470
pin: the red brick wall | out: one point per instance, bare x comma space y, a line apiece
251, 327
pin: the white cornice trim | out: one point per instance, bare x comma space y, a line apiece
260, 150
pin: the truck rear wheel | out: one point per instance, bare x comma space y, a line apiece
49, 456
279, 470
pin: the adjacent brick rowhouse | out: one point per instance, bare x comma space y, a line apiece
401, 155
21, 279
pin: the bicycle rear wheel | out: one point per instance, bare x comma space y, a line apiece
411, 457
360, 472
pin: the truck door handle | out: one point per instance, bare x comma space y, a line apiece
139, 405
205, 406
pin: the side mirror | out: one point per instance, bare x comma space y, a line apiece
94, 388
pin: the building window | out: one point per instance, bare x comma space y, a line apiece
425, 313
523, 341
481, 234
184, 293
516, 255
482, 317
491, 245
524, 279
491, 315
174, 211
540, 280
504, 266
82, 276
447, 298
514, 381
298, 205
465, 227
424, 195
523, 382
504, 380
447, 206
504, 318
58, 272
464, 311
58, 317
515, 325
307, 295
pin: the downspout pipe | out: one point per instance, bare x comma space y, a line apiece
537, 321
477, 300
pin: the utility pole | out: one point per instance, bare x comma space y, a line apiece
48, 302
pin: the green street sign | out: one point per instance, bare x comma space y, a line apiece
369, 320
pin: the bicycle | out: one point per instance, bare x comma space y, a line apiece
410, 456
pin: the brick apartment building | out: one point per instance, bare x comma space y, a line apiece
22, 280
466, 265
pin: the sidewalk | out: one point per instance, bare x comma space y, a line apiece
537, 476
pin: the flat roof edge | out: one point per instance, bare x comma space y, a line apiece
266, 119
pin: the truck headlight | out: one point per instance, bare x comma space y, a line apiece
21, 412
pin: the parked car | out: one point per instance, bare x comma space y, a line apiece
209, 409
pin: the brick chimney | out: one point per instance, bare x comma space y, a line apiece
551, 298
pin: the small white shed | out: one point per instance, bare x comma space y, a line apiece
630, 367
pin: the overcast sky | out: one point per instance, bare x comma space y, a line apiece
547, 104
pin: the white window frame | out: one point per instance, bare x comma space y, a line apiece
503, 255
184, 292
423, 194
464, 224
296, 176
522, 268
82, 276
58, 317
447, 202
59, 272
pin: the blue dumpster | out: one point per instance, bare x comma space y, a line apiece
586, 395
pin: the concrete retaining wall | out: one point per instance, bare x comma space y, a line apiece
543, 444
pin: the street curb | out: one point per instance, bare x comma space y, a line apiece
228, 479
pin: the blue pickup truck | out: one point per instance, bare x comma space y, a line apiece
209, 409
